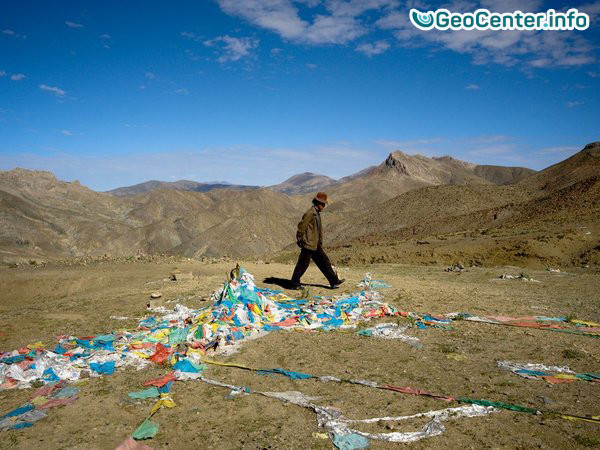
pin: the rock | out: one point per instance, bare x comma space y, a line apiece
180, 276
156, 295
459, 267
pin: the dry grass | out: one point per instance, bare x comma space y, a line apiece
40, 303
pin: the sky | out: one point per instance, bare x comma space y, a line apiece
254, 91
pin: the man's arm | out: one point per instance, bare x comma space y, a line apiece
302, 226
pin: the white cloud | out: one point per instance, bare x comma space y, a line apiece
150, 75
2, 73
373, 48
279, 16
473, 87
232, 48
17, 77
310, 3
52, 89
573, 104
532, 49
333, 29
105, 39
181, 91
73, 24
340, 25
191, 35
592, 10
311, 66
9, 32
342, 21
66, 132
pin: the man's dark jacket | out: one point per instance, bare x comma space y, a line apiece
310, 233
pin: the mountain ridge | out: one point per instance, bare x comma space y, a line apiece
404, 196
182, 185
422, 171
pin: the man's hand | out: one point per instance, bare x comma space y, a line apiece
299, 243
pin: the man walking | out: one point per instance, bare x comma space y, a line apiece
310, 239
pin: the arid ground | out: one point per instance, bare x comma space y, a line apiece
40, 303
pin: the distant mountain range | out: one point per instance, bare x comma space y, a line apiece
372, 212
181, 185
303, 183
410, 170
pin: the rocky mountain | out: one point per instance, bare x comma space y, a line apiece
181, 185
446, 170
401, 173
516, 204
303, 183
552, 215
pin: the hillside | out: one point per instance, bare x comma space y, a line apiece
503, 175
235, 223
580, 166
419, 206
43, 217
551, 216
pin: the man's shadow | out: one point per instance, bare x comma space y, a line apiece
287, 284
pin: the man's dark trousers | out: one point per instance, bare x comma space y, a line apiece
320, 259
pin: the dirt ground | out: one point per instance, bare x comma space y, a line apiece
41, 303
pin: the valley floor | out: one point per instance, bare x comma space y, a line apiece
40, 303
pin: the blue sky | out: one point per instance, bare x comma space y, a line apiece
254, 91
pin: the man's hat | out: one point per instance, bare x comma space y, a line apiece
321, 197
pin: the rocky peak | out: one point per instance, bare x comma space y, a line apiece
26, 174
27, 179
398, 161
38, 183
593, 148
